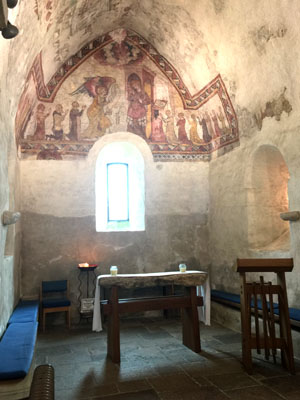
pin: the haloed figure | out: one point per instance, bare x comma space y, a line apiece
58, 117
40, 117
137, 109
98, 120
158, 134
182, 135
194, 131
170, 128
75, 121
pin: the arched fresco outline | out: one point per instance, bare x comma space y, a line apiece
47, 93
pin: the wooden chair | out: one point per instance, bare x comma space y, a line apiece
54, 297
257, 299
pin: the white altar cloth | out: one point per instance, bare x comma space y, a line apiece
202, 290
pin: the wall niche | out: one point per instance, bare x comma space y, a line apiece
267, 198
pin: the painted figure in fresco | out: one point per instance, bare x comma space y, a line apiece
182, 135
221, 118
98, 87
202, 122
137, 109
170, 128
209, 125
98, 121
75, 121
157, 134
40, 117
194, 137
214, 118
58, 117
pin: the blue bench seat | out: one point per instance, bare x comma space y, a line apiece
218, 295
26, 311
233, 300
16, 349
230, 297
18, 341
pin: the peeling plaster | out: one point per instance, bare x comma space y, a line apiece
264, 34
274, 109
219, 6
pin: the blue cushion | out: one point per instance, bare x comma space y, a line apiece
293, 312
235, 298
218, 294
56, 302
259, 305
26, 311
16, 349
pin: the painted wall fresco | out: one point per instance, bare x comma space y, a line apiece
120, 83
44, 11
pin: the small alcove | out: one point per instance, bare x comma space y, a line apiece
267, 198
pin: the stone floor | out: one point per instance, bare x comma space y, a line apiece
155, 365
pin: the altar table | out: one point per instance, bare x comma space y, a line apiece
193, 282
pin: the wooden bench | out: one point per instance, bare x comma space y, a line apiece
188, 303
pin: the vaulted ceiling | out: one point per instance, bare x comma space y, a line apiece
251, 44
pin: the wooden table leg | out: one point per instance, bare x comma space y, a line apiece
113, 327
168, 291
246, 325
190, 322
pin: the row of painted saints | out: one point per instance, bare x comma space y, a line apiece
151, 119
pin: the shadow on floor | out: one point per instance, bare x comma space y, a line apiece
155, 365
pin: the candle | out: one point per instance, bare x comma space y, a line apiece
182, 267
113, 270
84, 265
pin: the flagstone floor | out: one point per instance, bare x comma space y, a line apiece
155, 365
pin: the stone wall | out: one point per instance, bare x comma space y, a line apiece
58, 219
253, 47
231, 200
9, 201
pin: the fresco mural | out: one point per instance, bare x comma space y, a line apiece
44, 11
120, 83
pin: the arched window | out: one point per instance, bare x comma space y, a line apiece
120, 188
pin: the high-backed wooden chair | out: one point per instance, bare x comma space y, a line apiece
257, 299
54, 297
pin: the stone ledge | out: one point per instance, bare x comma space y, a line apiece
290, 216
10, 217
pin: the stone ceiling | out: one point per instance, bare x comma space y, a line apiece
251, 44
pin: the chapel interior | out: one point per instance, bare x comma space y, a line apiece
202, 97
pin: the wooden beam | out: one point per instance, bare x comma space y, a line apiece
265, 265
150, 304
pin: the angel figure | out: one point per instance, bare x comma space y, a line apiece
99, 88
